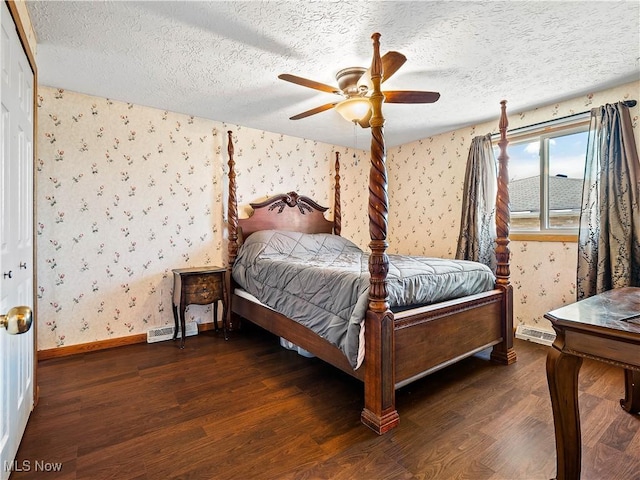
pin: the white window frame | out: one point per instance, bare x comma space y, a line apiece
543, 132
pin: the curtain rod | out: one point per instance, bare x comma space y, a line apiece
628, 103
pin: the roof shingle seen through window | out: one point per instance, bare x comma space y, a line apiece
564, 194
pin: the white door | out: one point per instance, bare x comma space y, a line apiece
16, 237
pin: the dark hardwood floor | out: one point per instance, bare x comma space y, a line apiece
248, 409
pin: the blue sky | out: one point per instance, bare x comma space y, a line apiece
566, 154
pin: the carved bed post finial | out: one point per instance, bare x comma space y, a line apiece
337, 211
379, 411
503, 216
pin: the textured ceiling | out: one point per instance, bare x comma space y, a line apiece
220, 60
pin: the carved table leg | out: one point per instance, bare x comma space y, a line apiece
224, 321
183, 307
175, 319
562, 376
631, 401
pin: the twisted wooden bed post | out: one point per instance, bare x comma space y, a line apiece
337, 211
504, 352
379, 411
232, 227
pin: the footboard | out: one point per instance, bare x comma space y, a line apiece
435, 336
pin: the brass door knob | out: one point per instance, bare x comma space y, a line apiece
17, 320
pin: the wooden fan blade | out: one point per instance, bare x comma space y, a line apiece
313, 111
410, 96
391, 63
309, 83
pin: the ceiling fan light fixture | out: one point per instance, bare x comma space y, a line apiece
353, 109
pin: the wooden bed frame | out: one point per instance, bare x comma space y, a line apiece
398, 349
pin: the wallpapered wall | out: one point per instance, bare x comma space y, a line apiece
126, 193
425, 184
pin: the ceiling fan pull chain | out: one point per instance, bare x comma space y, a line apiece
355, 141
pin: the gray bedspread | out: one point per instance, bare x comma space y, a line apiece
322, 281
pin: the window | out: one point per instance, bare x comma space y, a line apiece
546, 173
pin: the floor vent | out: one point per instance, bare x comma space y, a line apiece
534, 334
160, 334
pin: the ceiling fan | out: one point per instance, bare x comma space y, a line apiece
354, 84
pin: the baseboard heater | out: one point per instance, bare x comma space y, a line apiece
535, 334
160, 334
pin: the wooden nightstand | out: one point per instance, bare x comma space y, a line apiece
199, 286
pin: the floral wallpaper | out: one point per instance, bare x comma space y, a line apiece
126, 193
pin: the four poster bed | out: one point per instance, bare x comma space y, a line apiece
394, 349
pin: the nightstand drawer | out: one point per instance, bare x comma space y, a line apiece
202, 283
204, 297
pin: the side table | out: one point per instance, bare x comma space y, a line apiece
603, 327
199, 286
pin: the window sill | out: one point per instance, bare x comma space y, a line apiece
543, 237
